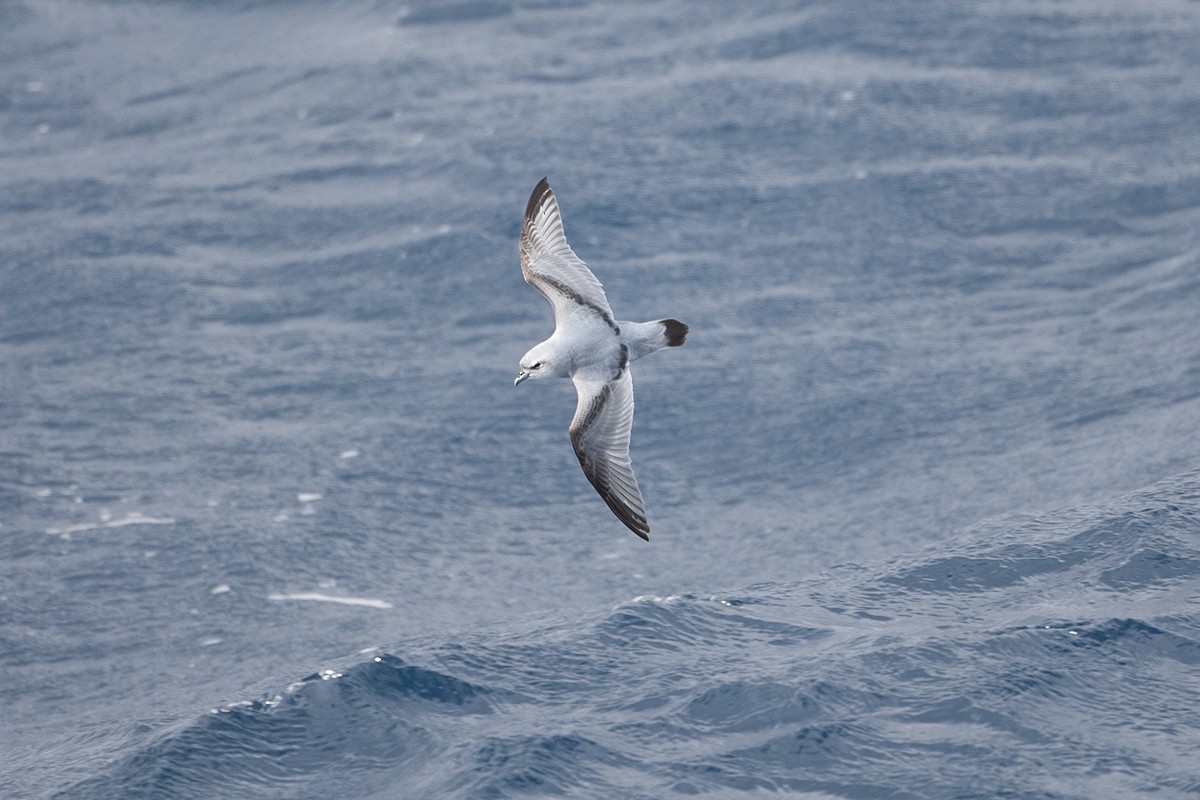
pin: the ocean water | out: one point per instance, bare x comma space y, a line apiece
924, 484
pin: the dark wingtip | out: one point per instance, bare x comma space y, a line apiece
635, 522
675, 332
536, 199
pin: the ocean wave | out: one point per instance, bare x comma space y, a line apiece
1048, 656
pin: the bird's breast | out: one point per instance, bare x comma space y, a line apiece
591, 347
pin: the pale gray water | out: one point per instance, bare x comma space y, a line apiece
261, 310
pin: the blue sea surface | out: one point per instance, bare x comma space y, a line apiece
923, 485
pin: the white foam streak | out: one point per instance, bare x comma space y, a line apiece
368, 602
130, 519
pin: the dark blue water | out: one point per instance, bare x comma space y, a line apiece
924, 484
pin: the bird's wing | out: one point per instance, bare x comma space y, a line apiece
551, 266
600, 435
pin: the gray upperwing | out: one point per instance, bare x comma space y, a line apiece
600, 434
551, 266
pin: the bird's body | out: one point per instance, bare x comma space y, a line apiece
594, 350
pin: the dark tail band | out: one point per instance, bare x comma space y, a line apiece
674, 331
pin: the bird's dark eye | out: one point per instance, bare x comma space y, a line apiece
535, 365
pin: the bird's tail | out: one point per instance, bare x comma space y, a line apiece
643, 338
674, 331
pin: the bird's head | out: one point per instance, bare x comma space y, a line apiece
537, 363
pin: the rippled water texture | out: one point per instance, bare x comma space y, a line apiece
922, 485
